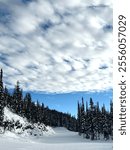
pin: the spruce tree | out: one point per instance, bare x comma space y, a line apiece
1, 99
111, 120
98, 121
27, 106
79, 119
87, 122
17, 99
6, 97
82, 117
104, 122
92, 119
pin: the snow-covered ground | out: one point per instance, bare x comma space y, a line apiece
61, 140
50, 139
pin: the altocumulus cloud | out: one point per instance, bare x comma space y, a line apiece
56, 45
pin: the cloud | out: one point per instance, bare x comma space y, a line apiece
57, 46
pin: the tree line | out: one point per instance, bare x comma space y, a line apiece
95, 122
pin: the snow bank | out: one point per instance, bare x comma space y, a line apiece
8, 115
19, 125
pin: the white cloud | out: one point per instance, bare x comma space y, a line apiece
57, 46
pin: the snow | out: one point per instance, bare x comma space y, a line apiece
52, 139
8, 115
61, 140
22, 126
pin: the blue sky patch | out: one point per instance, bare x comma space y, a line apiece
27, 1
103, 67
46, 25
5, 15
108, 28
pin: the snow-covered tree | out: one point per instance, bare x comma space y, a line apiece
1, 98
17, 98
95, 122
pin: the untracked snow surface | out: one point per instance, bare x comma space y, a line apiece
61, 140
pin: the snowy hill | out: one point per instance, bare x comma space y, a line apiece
19, 125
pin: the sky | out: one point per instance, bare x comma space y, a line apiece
67, 102
57, 47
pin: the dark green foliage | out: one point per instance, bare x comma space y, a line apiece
1, 99
95, 122
17, 99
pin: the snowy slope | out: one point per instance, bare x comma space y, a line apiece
8, 115
21, 126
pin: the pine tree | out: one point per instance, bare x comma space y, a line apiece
79, 119
87, 122
111, 119
38, 112
98, 121
1, 99
42, 113
17, 99
27, 106
6, 97
92, 119
33, 113
104, 122
82, 117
